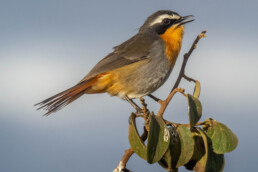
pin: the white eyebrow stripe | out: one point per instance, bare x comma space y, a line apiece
161, 17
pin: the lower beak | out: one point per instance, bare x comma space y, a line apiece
183, 20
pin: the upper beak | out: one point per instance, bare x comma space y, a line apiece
183, 20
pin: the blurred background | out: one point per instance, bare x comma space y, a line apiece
48, 46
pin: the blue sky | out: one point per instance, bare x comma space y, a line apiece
48, 46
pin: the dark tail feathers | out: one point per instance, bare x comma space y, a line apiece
64, 98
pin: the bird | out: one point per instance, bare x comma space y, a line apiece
135, 68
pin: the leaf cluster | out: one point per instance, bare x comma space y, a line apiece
199, 146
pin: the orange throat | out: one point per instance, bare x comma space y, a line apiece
173, 40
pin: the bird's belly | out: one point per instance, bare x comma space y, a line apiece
138, 79
145, 86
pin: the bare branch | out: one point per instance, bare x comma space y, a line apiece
186, 57
146, 113
189, 79
165, 103
154, 98
186, 125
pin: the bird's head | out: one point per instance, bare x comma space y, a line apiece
162, 20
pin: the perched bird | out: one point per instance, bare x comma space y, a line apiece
136, 68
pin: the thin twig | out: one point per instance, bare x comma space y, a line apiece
146, 113
154, 98
139, 115
186, 57
165, 103
144, 107
187, 125
189, 79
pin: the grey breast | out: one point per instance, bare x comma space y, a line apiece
152, 75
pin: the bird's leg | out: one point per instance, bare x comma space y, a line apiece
136, 107
154, 98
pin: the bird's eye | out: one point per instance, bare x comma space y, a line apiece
166, 21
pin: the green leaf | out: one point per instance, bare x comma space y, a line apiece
194, 110
135, 141
168, 161
214, 162
180, 150
204, 159
197, 89
222, 138
158, 139
199, 158
187, 145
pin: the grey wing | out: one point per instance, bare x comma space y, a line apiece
131, 51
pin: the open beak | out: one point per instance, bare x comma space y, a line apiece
183, 20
